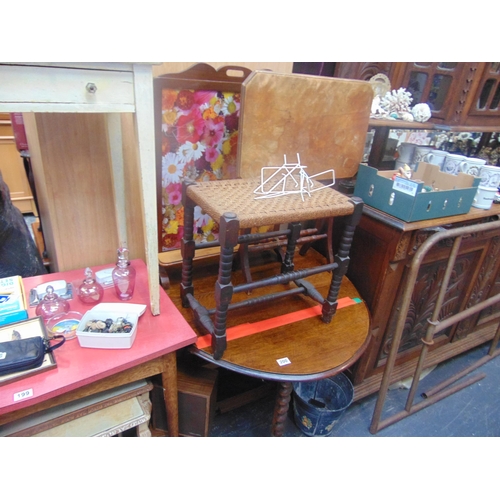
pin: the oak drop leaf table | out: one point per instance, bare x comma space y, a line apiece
310, 341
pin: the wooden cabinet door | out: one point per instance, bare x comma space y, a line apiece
484, 106
438, 84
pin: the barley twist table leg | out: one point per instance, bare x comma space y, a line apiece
281, 408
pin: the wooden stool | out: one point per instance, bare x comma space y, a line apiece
232, 204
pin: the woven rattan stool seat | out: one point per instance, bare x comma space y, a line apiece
237, 196
233, 205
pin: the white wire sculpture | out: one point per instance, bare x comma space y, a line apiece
290, 178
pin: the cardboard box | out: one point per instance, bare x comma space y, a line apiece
13, 306
197, 393
407, 199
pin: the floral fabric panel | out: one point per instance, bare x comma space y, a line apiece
199, 142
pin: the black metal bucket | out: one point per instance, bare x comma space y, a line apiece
318, 405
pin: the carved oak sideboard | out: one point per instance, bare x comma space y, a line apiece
383, 246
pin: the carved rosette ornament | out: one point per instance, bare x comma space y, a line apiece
402, 247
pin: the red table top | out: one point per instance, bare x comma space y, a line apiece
78, 366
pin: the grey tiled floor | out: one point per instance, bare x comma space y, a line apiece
471, 412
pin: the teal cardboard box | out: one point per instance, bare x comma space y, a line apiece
407, 199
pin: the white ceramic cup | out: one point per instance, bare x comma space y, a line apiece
420, 154
484, 197
437, 157
490, 176
453, 164
405, 151
472, 166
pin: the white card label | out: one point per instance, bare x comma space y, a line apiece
28, 393
405, 186
283, 361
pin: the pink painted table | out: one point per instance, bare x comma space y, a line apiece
82, 371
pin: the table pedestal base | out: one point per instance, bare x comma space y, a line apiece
281, 408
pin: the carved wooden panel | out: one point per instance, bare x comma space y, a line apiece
481, 289
424, 300
493, 311
403, 246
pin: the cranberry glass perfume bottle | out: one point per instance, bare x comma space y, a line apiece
51, 304
123, 275
90, 291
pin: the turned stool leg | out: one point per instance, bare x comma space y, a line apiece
187, 245
229, 228
244, 259
288, 265
342, 260
281, 408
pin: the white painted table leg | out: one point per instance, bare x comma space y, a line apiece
116, 151
144, 116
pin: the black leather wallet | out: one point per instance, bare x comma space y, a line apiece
25, 354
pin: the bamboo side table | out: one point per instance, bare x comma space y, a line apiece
232, 204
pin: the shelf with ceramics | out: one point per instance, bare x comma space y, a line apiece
394, 121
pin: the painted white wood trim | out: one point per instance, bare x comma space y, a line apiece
144, 116
49, 89
115, 141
